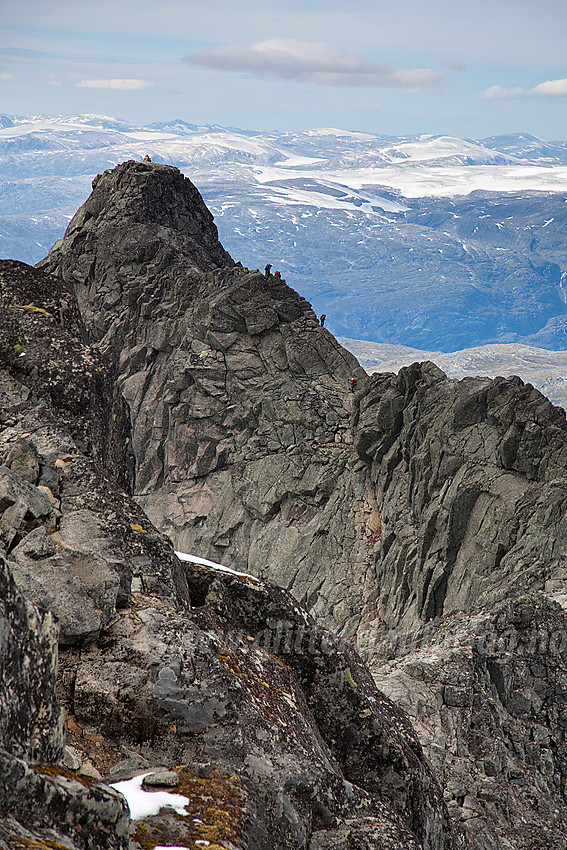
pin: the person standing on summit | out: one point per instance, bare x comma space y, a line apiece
268, 269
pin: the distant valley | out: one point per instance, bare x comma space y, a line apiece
435, 243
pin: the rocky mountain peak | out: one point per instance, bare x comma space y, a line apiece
142, 220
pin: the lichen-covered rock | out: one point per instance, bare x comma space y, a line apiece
30, 718
42, 803
274, 718
368, 736
43, 349
22, 506
79, 588
45, 806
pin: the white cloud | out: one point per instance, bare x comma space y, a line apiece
123, 85
311, 61
499, 92
7, 77
551, 88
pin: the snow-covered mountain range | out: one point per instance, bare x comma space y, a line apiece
433, 242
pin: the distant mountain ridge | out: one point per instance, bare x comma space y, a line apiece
524, 145
428, 241
545, 370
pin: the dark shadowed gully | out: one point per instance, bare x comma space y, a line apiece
390, 673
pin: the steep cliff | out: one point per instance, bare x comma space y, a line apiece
419, 516
467, 633
470, 477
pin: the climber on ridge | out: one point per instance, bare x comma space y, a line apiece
278, 275
323, 317
268, 270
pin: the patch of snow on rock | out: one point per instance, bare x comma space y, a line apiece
183, 556
143, 804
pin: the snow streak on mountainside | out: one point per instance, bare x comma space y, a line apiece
429, 241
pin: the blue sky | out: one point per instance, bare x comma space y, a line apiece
456, 67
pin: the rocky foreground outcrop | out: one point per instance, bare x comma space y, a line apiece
65, 460
421, 519
42, 804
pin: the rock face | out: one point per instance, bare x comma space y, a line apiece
274, 729
487, 698
152, 218
423, 518
470, 480
467, 634
66, 536
239, 402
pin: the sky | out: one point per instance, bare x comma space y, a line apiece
453, 67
